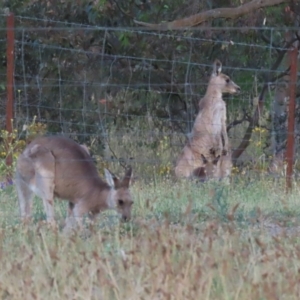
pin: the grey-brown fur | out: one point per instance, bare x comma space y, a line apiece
209, 130
56, 166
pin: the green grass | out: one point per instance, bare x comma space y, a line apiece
185, 241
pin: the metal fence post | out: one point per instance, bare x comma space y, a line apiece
293, 53
10, 82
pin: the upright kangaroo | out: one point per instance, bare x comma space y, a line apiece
55, 166
209, 131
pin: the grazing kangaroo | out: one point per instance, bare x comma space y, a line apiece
56, 166
209, 130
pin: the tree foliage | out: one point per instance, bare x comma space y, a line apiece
87, 60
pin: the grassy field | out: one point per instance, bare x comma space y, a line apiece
186, 241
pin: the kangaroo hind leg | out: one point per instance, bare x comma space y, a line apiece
25, 196
44, 165
24, 181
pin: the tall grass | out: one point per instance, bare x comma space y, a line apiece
185, 241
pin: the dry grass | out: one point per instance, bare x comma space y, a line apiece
186, 241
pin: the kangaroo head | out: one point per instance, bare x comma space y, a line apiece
222, 82
121, 198
210, 165
208, 169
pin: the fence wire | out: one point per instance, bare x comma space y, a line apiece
132, 94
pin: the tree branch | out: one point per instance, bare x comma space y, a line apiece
239, 121
268, 42
224, 12
258, 110
253, 121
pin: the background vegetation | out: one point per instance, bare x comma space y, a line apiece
83, 68
87, 70
185, 241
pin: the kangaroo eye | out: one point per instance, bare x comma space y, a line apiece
227, 80
120, 202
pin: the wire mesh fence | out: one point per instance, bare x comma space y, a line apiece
132, 94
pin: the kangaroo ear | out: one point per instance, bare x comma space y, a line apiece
127, 178
111, 179
216, 159
204, 159
217, 67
